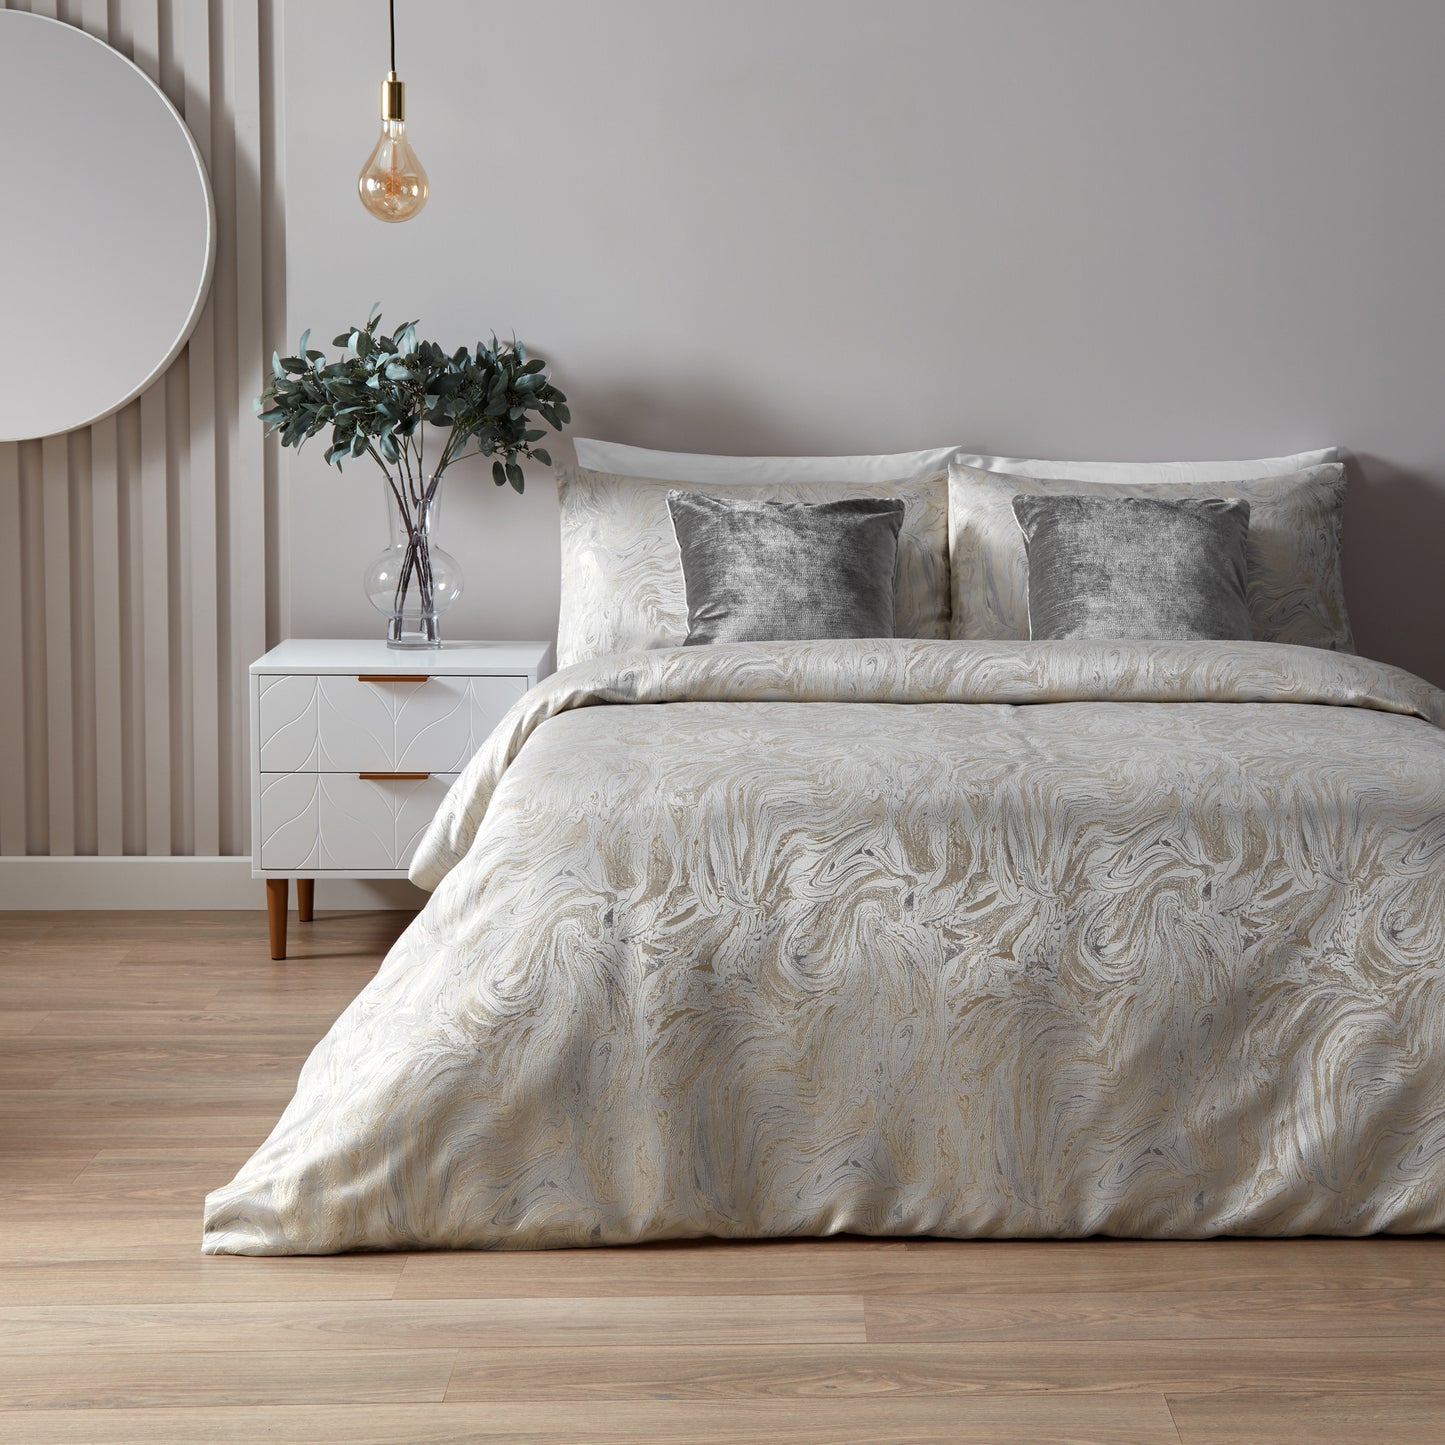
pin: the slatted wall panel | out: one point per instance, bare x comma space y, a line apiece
134, 577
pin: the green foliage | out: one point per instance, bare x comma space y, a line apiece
378, 392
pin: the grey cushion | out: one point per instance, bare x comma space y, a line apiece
766, 571
1135, 567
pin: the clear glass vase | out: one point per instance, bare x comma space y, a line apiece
413, 581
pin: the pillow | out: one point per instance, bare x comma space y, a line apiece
1125, 567
737, 471
1295, 593
775, 571
1151, 471
622, 581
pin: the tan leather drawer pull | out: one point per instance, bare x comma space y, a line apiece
391, 677
393, 777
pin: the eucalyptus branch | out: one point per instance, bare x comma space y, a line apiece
382, 392
391, 482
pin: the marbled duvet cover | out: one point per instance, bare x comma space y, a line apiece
900, 937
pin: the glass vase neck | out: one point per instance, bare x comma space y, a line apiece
421, 515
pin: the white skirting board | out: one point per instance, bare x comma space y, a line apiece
182, 883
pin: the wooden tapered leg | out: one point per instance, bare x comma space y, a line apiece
305, 898
277, 890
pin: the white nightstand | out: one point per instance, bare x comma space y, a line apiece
354, 745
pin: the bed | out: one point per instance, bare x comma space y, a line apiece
972, 938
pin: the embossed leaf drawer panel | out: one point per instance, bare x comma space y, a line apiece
318, 821
342, 724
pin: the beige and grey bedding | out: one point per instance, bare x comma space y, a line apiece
902, 937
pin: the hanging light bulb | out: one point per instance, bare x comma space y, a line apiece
392, 183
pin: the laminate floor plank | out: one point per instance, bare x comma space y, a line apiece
34, 995
45, 959
38, 1202
1232, 1265
839, 1266
71, 1234
98, 1108
179, 1194
246, 1131
85, 1380
436, 1324
1123, 1315
972, 1268
998, 1420
14, 1022
807, 1371
138, 1063
125, 1170
27, 928
46, 1165
291, 994
1267, 1418
185, 1068
199, 1279
200, 1023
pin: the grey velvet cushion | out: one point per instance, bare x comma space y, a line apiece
1136, 567
775, 571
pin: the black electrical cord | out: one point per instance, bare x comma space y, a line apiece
391, 8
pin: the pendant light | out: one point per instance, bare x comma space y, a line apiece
392, 183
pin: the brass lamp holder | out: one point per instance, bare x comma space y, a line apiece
393, 97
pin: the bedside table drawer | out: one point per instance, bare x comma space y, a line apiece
312, 821
345, 724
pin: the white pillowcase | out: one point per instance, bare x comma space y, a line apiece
1137, 472
619, 460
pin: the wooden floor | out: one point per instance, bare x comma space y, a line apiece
143, 1056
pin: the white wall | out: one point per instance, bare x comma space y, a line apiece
1120, 228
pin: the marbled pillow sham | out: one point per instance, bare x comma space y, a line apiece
622, 582
1136, 567
1295, 591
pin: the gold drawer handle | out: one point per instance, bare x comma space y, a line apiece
391, 677
393, 777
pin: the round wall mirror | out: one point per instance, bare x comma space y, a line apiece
107, 262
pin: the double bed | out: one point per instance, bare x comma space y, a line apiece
961, 937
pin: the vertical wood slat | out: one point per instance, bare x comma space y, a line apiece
154, 581
104, 731
201, 610
106, 630
32, 641
273, 311
171, 17
81, 561
12, 657
248, 472
55, 600
134, 573
132, 655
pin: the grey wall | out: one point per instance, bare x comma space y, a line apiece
1104, 228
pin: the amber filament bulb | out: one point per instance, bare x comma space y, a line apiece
392, 184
